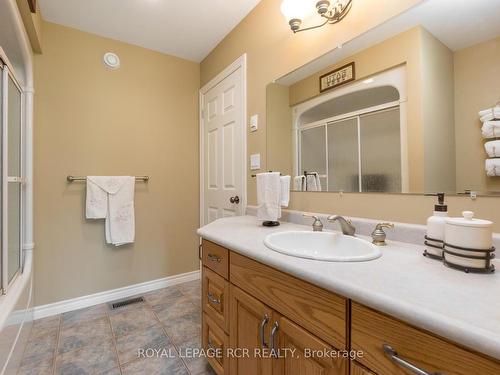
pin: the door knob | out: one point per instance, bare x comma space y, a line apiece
234, 199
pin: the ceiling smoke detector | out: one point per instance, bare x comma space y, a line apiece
111, 60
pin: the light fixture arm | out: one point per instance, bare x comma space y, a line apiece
332, 16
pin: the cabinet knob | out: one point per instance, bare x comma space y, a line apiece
234, 199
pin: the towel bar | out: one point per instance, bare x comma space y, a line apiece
82, 178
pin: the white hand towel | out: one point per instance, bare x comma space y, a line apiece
492, 149
268, 196
311, 183
298, 183
96, 201
112, 198
318, 181
490, 114
493, 167
491, 129
285, 190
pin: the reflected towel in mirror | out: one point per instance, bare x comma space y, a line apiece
298, 183
492, 149
491, 129
493, 167
490, 114
313, 183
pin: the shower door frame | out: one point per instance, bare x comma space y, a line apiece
396, 78
9, 72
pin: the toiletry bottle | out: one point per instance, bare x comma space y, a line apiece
436, 223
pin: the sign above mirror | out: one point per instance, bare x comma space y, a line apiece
337, 77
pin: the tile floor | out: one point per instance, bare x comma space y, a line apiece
98, 340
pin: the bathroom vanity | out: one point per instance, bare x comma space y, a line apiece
399, 314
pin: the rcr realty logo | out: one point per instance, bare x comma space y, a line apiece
247, 353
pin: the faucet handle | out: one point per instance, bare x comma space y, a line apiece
378, 234
317, 224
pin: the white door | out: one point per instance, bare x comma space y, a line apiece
223, 147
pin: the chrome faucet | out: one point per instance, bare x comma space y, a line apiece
317, 224
345, 224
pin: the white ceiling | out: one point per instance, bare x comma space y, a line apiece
456, 23
187, 29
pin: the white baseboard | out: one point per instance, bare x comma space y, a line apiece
111, 295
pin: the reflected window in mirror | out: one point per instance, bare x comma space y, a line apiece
353, 141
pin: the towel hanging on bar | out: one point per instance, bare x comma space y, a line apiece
82, 178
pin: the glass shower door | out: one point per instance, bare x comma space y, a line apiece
14, 179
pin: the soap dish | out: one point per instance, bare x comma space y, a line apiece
469, 260
434, 248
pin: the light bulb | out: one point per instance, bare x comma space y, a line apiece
297, 9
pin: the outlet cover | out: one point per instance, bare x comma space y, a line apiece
254, 123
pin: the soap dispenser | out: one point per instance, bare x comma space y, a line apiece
434, 239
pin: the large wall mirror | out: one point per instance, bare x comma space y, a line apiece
410, 120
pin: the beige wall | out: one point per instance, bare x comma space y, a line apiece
274, 51
279, 129
473, 93
139, 120
438, 118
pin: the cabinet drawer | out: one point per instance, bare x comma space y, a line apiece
216, 258
215, 342
319, 311
215, 298
370, 330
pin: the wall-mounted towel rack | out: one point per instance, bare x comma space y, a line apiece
83, 178
254, 175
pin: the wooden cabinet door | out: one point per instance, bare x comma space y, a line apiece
249, 326
301, 353
357, 369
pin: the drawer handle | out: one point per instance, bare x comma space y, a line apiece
214, 258
263, 324
393, 355
274, 330
213, 299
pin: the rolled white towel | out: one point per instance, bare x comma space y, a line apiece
491, 129
492, 149
490, 114
493, 167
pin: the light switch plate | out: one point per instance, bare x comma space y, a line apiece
254, 123
254, 161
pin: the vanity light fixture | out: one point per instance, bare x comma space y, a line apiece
296, 10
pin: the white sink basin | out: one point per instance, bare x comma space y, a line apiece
326, 246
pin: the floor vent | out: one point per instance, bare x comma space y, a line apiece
126, 302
